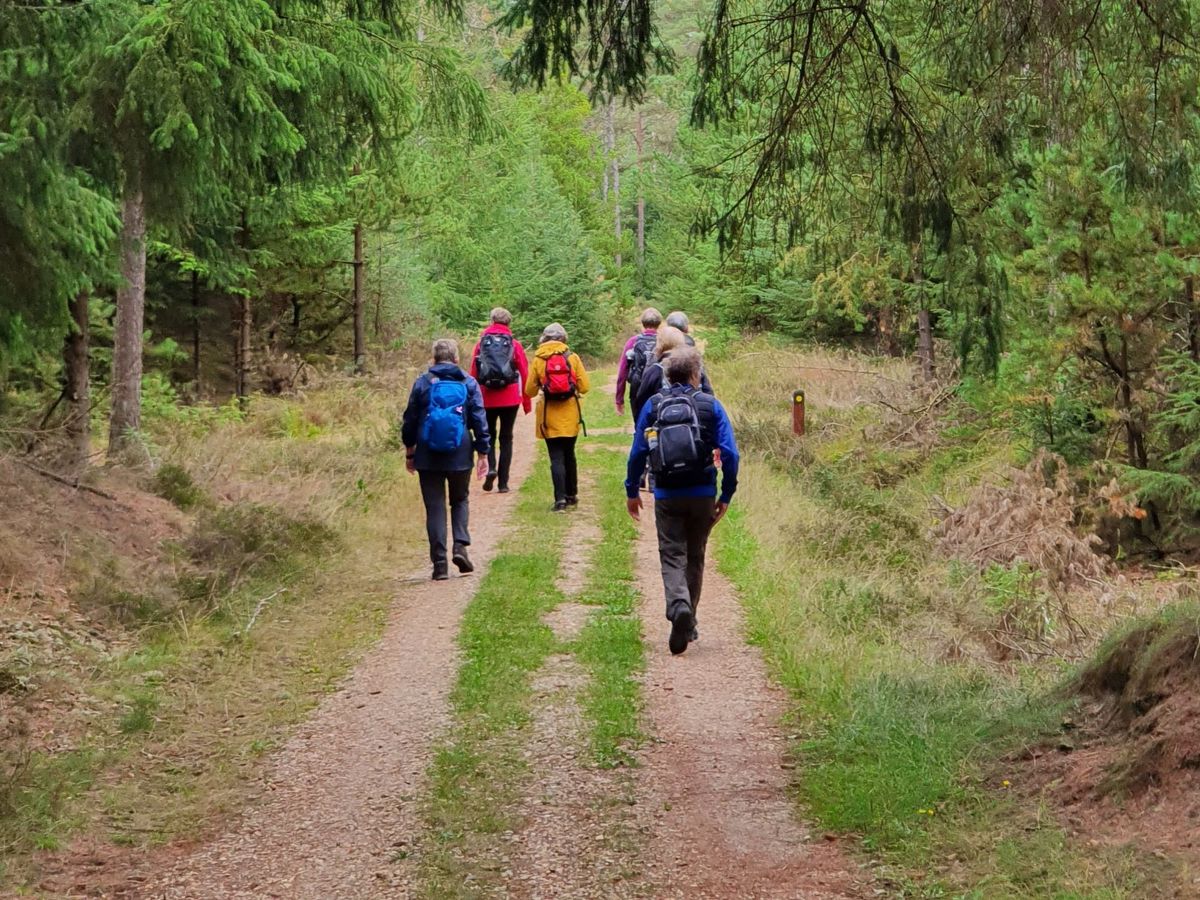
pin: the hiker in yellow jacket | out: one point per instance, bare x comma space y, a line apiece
558, 375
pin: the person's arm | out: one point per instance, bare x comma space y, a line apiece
477, 418
474, 372
638, 454
727, 444
705, 384
623, 375
410, 422
523, 371
583, 383
534, 382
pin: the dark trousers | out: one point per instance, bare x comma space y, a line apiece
563, 470
506, 418
684, 524
434, 487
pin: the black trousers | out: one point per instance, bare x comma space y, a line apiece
563, 470
684, 524
434, 489
506, 418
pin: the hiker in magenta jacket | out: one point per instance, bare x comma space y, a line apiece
638, 353
502, 400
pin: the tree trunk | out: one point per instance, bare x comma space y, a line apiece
245, 318
613, 179
295, 320
360, 337
196, 313
607, 143
75, 360
924, 319
641, 197
130, 319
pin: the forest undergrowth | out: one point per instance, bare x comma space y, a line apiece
931, 680
148, 671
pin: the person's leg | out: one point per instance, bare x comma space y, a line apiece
508, 421
571, 480
433, 493
699, 526
558, 469
670, 518
460, 491
493, 416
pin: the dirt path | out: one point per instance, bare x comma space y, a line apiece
340, 801
714, 772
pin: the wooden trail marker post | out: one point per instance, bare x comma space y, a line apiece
798, 413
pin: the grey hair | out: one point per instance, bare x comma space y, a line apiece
445, 350
651, 318
501, 316
669, 339
678, 319
682, 366
553, 332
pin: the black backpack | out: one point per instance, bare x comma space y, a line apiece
640, 356
679, 447
496, 366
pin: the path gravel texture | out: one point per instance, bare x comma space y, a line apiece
341, 804
715, 773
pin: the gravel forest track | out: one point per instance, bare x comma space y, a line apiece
705, 813
341, 800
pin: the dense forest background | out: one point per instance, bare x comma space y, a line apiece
200, 200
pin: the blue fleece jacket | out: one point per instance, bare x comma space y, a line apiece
725, 441
475, 435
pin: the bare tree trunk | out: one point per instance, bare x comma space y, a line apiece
640, 136
75, 360
924, 319
196, 313
130, 319
245, 318
607, 142
613, 176
360, 337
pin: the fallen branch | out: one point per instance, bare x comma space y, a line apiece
262, 604
71, 483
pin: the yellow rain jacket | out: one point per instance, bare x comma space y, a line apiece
556, 418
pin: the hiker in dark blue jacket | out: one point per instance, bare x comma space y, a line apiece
444, 423
679, 432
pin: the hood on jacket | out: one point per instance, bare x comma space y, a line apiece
548, 349
448, 370
495, 328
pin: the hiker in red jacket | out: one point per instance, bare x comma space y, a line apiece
501, 368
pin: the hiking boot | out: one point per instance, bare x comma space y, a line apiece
560, 506
503, 489
489, 481
695, 635
441, 571
462, 560
682, 625
572, 501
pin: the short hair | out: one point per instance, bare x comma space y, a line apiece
651, 318
668, 339
445, 350
501, 316
678, 319
553, 332
682, 366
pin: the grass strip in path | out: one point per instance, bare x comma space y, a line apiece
476, 775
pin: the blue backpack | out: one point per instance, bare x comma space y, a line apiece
445, 423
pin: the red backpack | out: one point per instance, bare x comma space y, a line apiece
559, 382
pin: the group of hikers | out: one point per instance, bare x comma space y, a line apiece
682, 438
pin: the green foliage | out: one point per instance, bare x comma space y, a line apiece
173, 482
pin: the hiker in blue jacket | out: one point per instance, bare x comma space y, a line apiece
443, 423
679, 432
